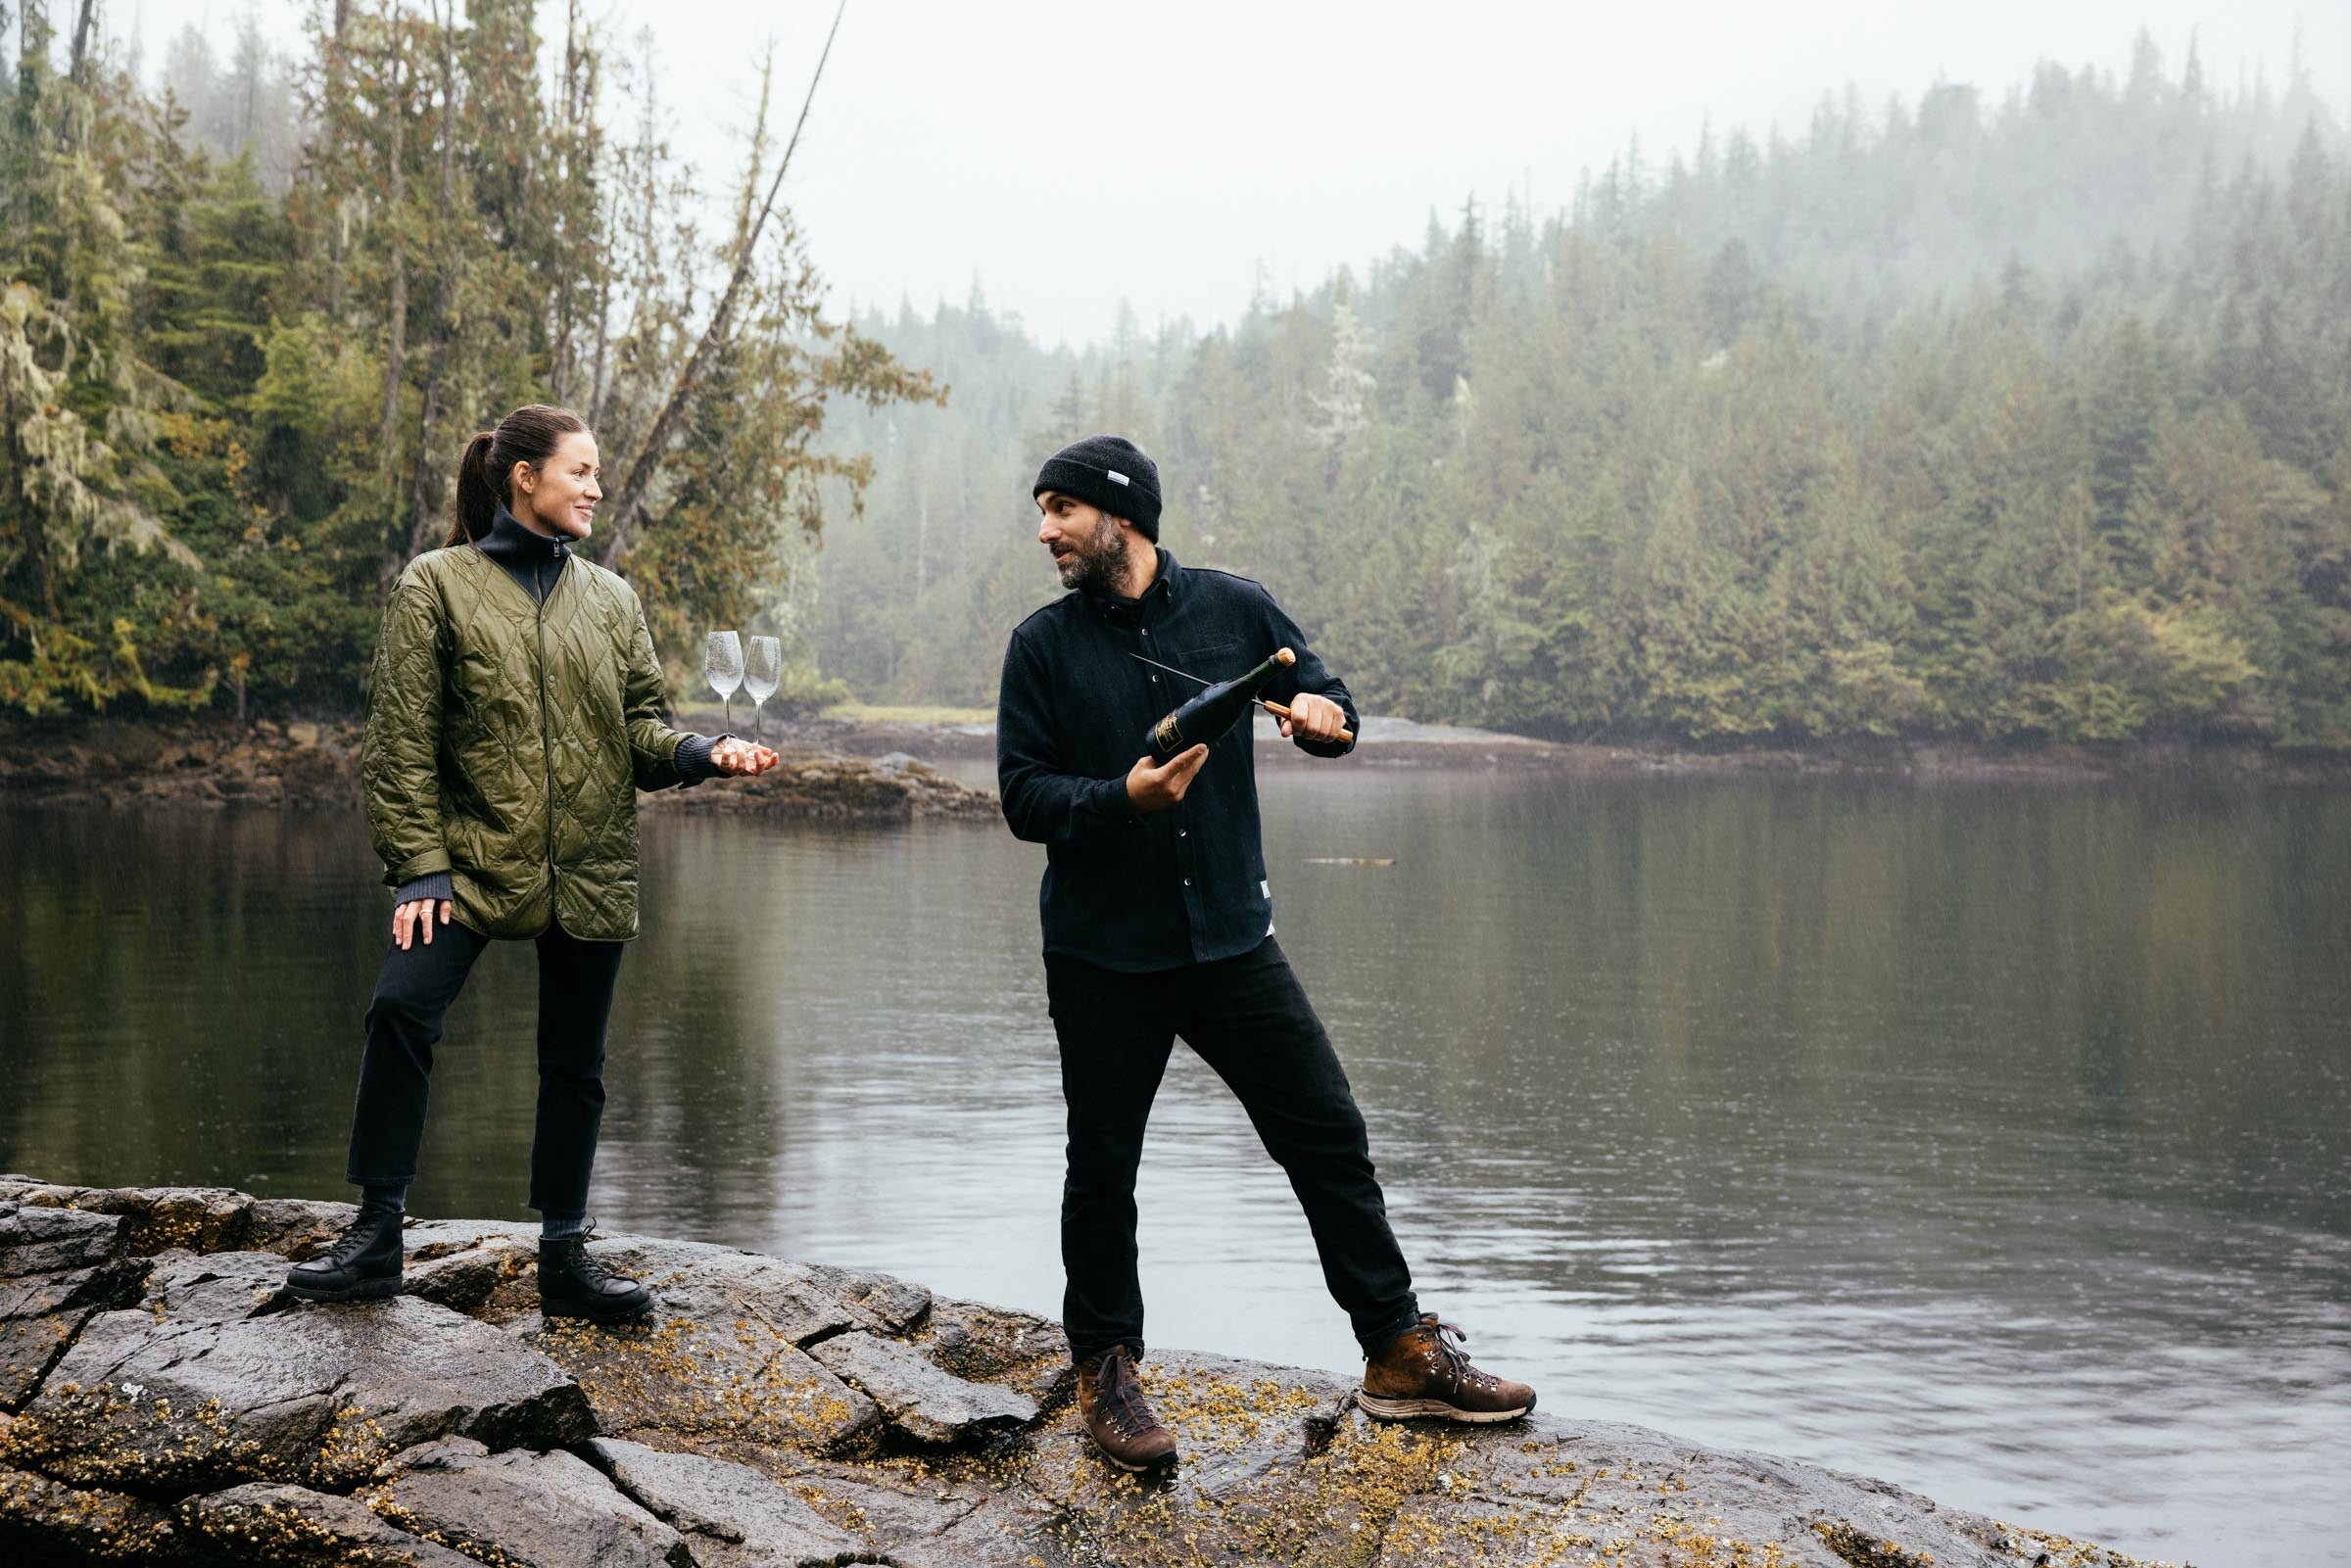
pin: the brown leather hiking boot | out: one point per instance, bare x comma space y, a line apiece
1117, 1416
1420, 1373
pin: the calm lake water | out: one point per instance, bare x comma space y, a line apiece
1992, 1140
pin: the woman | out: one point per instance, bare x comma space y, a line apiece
516, 708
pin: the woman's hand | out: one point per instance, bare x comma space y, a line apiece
419, 910
739, 756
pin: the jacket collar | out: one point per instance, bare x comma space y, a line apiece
518, 548
1165, 590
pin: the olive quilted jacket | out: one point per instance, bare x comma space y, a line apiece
507, 739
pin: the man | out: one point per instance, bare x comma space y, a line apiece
1158, 924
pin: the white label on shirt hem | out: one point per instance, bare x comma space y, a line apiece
1265, 887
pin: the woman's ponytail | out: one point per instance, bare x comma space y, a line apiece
478, 491
528, 434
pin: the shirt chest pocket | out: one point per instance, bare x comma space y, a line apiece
1210, 662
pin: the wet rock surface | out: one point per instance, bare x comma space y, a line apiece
315, 1394
464, 1281
732, 1515
530, 1509
282, 1524
723, 1358
193, 1288
918, 1397
165, 1404
37, 1239
41, 1314
43, 1520
996, 1345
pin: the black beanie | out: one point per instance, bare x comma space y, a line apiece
1110, 472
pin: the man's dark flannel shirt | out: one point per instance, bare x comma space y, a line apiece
1183, 886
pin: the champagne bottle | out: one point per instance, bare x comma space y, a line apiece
1214, 711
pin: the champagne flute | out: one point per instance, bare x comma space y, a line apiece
722, 662
761, 676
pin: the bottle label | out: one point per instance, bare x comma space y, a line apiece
1167, 735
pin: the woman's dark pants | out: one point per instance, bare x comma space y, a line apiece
412, 993
1248, 1019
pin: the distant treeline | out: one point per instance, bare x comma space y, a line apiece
234, 389
2016, 420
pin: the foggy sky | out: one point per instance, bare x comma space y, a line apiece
1068, 156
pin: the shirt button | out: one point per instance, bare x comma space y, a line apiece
1187, 882
1183, 832
1146, 631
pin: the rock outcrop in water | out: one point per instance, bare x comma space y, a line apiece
299, 765
164, 1404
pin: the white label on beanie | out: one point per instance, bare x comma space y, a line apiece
1116, 477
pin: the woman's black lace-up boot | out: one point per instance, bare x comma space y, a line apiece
573, 1284
363, 1264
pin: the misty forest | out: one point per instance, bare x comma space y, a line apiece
2011, 413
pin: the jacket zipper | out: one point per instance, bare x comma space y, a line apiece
547, 751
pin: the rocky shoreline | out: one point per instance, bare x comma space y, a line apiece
303, 764
161, 1402
1403, 743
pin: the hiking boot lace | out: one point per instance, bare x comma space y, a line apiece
1121, 1395
1450, 1359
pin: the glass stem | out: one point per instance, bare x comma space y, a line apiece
729, 722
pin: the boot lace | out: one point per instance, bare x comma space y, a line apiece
1447, 1358
1119, 1393
589, 1271
357, 1236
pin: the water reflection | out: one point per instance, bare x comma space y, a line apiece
1992, 1140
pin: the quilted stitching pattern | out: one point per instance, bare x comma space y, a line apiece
506, 742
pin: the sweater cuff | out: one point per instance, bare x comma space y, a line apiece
694, 757
432, 885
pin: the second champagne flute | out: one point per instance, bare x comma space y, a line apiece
722, 662
761, 675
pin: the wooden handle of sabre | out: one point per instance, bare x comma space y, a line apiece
1280, 712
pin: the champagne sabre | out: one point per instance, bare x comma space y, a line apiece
1274, 708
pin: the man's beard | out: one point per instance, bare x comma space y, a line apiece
1097, 564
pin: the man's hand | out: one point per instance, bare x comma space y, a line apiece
1315, 718
739, 756
1156, 788
419, 910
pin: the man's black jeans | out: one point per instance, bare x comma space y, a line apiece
1248, 1019
413, 992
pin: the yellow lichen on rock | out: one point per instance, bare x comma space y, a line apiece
2041, 1546
684, 1377
1220, 1413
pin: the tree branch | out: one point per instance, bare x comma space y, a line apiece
647, 465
